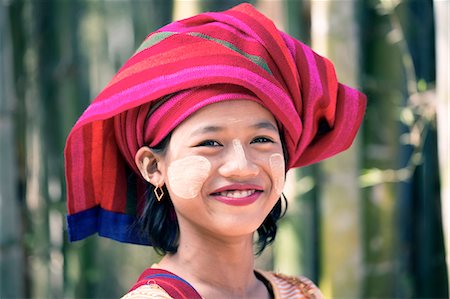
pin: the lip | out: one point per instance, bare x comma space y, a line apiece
239, 187
244, 201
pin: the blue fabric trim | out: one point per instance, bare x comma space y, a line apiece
169, 276
112, 225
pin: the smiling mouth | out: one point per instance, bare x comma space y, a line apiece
236, 193
238, 197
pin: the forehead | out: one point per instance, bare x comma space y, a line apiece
239, 113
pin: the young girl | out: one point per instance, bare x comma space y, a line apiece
187, 148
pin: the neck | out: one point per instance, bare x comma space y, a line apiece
215, 267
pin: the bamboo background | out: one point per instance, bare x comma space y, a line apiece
370, 223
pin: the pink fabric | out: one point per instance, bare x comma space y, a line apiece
186, 65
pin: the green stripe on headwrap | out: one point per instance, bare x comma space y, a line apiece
154, 39
255, 59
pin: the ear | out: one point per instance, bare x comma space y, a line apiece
147, 163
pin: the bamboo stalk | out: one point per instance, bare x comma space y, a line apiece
335, 35
442, 25
11, 254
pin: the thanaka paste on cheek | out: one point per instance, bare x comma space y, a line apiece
187, 175
276, 163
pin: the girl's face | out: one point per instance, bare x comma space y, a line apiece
224, 168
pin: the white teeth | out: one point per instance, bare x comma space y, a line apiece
237, 193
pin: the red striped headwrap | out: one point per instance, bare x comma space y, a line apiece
182, 67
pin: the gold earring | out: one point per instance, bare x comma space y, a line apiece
159, 193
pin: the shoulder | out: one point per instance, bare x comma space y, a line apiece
161, 284
147, 291
286, 286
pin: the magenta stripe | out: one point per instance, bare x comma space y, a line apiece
211, 100
268, 39
315, 86
236, 22
221, 17
291, 45
202, 103
347, 120
109, 106
352, 96
159, 113
234, 31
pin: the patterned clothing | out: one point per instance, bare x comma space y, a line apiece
283, 287
292, 287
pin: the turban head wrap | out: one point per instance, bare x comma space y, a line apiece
180, 68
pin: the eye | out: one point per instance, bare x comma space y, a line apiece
209, 143
262, 139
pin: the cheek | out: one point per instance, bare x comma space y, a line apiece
187, 176
276, 163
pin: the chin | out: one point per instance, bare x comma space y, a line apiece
235, 228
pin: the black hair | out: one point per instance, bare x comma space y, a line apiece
159, 221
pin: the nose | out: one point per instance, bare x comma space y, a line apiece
237, 164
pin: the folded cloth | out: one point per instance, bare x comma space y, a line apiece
180, 68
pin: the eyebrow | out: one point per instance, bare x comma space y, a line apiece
207, 129
213, 129
265, 125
